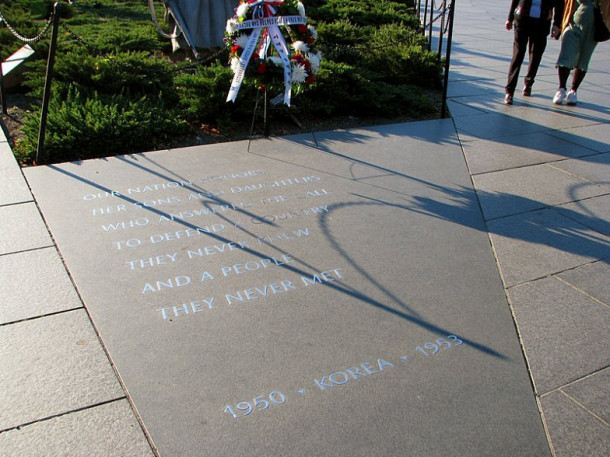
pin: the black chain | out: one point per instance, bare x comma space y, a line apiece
201, 62
448, 12
95, 51
32, 40
442, 13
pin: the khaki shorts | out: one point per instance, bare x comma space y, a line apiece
576, 48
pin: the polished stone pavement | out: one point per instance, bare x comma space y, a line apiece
542, 180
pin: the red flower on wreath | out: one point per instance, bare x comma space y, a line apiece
262, 68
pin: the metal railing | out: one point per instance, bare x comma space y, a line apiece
430, 12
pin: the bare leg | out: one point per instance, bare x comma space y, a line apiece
577, 78
564, 74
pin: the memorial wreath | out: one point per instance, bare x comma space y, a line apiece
271, 43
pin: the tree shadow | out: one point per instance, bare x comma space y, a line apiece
579, 233
393, 304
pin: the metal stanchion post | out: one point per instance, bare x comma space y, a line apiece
2, 91
265, 114
447, 59
441, 31
47, 83
430, 25
425, 16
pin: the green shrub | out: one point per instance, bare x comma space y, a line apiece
34, 9
338, 90
203, 96
400, 56
96, 126
341, 90
136, 73
365, 12
114, 36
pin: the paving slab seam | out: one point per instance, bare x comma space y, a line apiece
572, 382
583, 178
545, 425
576, 143
480, 111
521, 345
600, 122
33, 318
567, 216
576, 381
547, 276
4, 205
606, 424
40, 248
54, 416
548, 162
543, 208
580, 290
475, 135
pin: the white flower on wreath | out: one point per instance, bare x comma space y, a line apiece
276, 61
242, 40
300, 47
313, 31
301, 9
235, 64
299, 74
315, 60
231, 26
242, 10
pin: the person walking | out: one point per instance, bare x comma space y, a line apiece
577, 46
531, 20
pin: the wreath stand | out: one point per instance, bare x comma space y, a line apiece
269, 105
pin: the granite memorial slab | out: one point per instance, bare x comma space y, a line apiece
299, 300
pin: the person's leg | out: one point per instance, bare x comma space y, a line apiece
561, 93
564, 74
577, 78
588, 46
586, 51
567, 59
519, 48
537, 45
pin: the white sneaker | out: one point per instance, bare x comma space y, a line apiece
571, 98
560, 96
